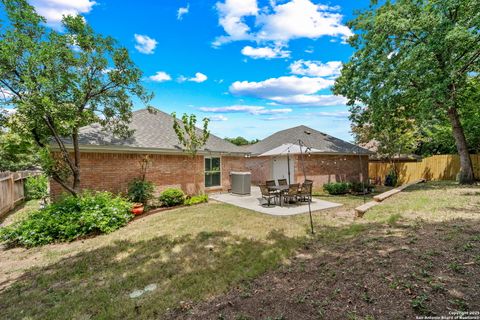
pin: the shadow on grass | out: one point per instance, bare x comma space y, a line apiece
364, 271
97, 283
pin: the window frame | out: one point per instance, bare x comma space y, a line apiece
212, 171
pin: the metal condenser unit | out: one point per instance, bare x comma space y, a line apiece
241, 182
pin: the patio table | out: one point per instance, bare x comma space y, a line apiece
281, 190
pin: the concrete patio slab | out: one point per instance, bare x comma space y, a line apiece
255, 202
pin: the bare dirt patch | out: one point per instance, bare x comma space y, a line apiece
385, 272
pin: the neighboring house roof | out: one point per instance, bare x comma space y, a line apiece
152, 130
310, 137
373, 146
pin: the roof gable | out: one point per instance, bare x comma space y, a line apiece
310, 137
152, 130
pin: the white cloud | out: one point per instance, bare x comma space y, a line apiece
316, 68
279, 22
160, 76
145, 44
280, 87
199, 77
5, 94
254, 110
335, 114
311, 100
265, 52
218, 117
231, 17
54, 10
301, 19
182, 11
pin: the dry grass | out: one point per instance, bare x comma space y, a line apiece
190, 253
195, 253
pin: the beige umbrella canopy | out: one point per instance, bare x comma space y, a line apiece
289, 148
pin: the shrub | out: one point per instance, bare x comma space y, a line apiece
196, 200
391, 179
357, 187
70, 218
172, 197
140, 191
335, 188
36, 187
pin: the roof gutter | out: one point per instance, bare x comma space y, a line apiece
118, 149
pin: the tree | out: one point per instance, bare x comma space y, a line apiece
191, 138
59, 82
241, 141
189, 135
414, 59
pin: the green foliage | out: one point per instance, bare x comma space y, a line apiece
189, 201
188, 134
241, 141
172, 197
140, 191
61, 81
391, 180
16, 152
336, 188
36, 187
359, 187
414, 60
70, 218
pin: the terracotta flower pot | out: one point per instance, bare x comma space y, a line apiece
137, 208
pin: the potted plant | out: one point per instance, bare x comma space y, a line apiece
139, 192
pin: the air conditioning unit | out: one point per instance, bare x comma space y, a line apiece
241, 182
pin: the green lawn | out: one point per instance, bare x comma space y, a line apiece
191, 254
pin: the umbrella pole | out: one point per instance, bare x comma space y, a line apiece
288, 166
305, 178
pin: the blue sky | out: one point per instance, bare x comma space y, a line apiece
252, 66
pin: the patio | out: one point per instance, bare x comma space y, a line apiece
255, 202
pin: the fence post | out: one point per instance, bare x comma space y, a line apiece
12, 191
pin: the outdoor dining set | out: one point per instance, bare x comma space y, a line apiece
283, 193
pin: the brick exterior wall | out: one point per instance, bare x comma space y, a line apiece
319, 168
260, 167
113, 171
331, 168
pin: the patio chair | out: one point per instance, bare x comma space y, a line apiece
267, 195
282, 182
292, 193
270, 183
305, 192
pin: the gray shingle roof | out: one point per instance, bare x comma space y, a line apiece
315, 139
152, 131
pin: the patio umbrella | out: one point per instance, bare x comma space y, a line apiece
287, 149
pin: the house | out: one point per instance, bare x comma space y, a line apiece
110, 163
327, 159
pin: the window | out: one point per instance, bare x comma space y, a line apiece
212, 172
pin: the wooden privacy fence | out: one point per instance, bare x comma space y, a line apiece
12, 190
440, 167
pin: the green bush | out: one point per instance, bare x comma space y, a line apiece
196, 200
172, 197
36, 187
140, 191
357, 187
391, 179
70, 218
335, 188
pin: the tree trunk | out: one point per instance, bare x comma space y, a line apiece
76, 170
466, 167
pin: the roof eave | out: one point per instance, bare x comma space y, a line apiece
121, 149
